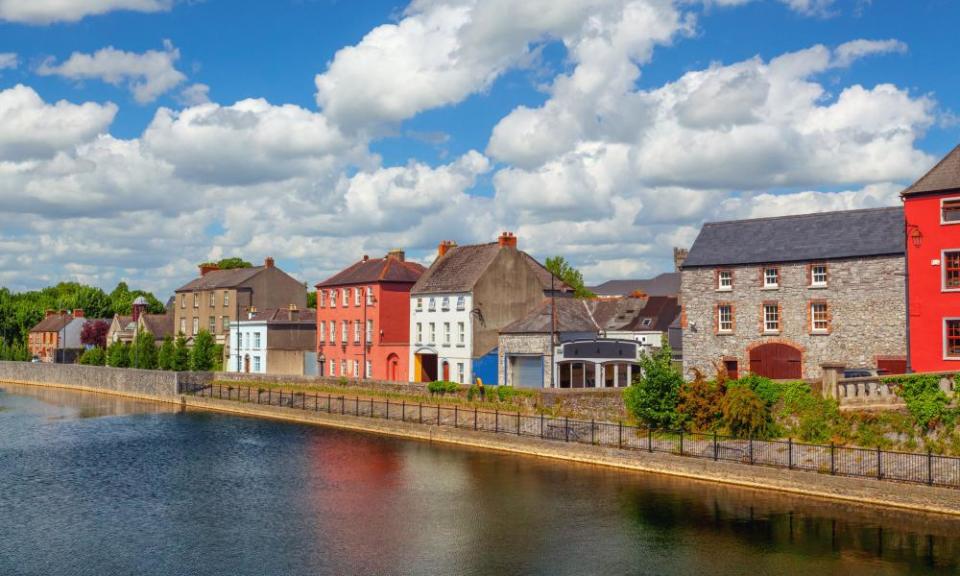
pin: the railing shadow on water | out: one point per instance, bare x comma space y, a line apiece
916, 468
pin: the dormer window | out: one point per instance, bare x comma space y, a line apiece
725, 280
950, 210
771, 277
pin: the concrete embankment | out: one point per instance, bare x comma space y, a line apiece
164, 388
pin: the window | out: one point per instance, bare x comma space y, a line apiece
461, 334
445, 303
724, 318
461, 303
344, 331
419, 332
333, 298
460, 372
196, 326
356, 296
183, 301
771, 277
343, 367
321, 332
819, 317
226, 299
950, 210
771, 317
213, 299
246, 340
225, 322
368, 369
183, 325
333, 331
419, 304
818, 275
951, 270
952, 337
321, 298
196, 300
433, 332
369, 295
345, 293
446, 333
256, 340
333, 367
212, 324
724, 280
369, 331
356, 331
256, 363
433, 305
356, 368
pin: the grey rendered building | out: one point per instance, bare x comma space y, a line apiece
781, 296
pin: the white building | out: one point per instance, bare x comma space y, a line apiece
274, 341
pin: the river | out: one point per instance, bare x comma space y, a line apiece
95, 485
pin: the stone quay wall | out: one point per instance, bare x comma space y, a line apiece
139, 383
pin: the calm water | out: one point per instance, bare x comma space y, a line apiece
91, 485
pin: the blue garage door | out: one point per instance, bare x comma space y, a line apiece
526, 371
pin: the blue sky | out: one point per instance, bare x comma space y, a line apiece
408, 124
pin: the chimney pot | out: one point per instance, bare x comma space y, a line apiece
679, 257
268, 262
78, 312
397, 254
49, 312
366, 257
507, 239
208, 267
445, 247
294, 312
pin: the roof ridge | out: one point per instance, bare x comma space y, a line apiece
948, 155
804, 215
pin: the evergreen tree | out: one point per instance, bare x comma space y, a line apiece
181, 354
655, 392
94, 357
118, 355
203, 354
165, 358
144, 353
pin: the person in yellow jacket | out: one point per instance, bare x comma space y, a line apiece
479, 383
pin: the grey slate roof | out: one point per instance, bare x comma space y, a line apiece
944, 176
462, 266
221, 279
666, 284
578, 315
283, 316
658, 314
805, 237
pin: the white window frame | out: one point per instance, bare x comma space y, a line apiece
226, 298
333, 331
445, 303
256, 340
721, 287
460, 372
333, 298
333, 367
345, 297
356, 368
322, 332
944, 201
344, 332
720, 320
368, 369
766, 322
446, 333
196, 325
943, 267
946, 320
461, 302
356, 296
369, 331
321, 298
433, 332
461, 334
256, 363
767, 284
419, 332
183, 326
343, 367
813, 276
813, 318
419, 304
356, 331
432, 305
369, 295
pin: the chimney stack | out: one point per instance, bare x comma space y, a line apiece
207, 267
78, 312
294, 312
397, 254
49, 312
507, 239
679, 257
251, 312
268, 262
445, 247
366, 257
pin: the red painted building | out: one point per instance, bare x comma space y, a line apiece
932, 211
363, 319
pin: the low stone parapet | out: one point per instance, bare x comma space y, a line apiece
146, 383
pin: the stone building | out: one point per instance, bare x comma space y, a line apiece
781, 296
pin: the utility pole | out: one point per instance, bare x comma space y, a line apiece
553, 331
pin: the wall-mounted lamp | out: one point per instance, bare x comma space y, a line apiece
916, 237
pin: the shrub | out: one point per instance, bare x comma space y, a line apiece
475, 391
118, 355
144, 351
925, 401
443, 387
165, 358
203, 354
655, 392
699, 404
769, 391
745, 414
94, 357
508, 393
181, 354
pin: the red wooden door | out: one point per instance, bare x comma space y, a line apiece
446, 371
777, 361
892, 365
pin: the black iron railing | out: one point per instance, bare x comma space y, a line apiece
918, 468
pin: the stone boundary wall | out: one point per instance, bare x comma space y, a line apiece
150, 383
417, 388
876, 392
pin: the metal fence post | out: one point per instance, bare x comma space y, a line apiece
329, 404
620, 435
456, 416
929, 467
566, 428
879, 464
518, 423
403, 411
371, 407
751, 448
649, 439
541, 424
681, 441
474, 418
790, 453
716, 448
388, 408
356, 405
593, 434
270, 396
496, 420
833, 464
343, 405
438, 413
420, 411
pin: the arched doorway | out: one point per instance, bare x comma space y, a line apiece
393, 367
446, 370
776, 360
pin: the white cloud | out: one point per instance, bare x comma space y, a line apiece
849, 52
8, 60
194, 94
147, 76
30, 128
811, 7
49, 11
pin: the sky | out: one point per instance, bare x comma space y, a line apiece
139, 138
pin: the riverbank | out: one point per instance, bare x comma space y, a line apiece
853, 490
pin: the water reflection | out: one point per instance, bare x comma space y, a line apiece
140, 489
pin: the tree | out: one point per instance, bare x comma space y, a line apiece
745, 413
94, 333
121, 300
144, 353
165, 358
312, 299
654, 394
94, 357
562, 269
181, 354
231, 263
118, 355
203, 354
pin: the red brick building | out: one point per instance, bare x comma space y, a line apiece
932, 211
363, 317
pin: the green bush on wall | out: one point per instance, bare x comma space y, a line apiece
443, 387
